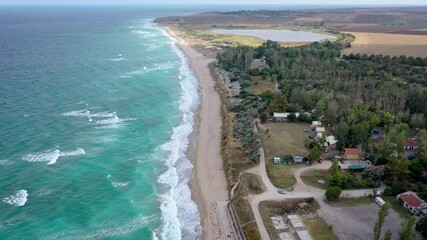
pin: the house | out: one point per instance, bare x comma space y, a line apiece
298, 159
413, 203
352, 154
320, 130
282, 116
276, 160
330, 141
411, 144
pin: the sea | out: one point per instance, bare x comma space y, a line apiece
97, 105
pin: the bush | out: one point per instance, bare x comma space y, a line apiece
333, 193
388, 192
422, 226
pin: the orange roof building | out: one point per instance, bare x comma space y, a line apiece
352, 153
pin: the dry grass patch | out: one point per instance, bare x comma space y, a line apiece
260, 85
389, 44
280, 139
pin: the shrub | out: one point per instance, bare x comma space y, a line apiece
333, 193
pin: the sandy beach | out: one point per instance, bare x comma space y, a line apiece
209, 183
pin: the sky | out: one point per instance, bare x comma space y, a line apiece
199, 2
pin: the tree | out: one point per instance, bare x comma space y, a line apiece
292, 117
417, 120
333, 193
314, 154
382, 214
263, 117
337, 177
397, 169
278, 104
422, 226
341, 134
406, 231
331, 114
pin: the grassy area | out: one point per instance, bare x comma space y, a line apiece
246, 219
260, 85
351, 202
250, 183
282, 176
312, 177
280, 139
231, 40
319, 229
403, 212
251, 231
316, 225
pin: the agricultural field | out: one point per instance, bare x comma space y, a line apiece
389, 44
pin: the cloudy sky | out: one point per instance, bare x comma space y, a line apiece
288, 2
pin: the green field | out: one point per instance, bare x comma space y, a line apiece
312, 177
259, 85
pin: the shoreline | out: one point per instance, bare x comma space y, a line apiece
208, 183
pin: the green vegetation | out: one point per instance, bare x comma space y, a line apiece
246, 218
394, 204
421, 226
319, 229
333, 193
259, 85
312, 178
382, 214
250, 184
282, 176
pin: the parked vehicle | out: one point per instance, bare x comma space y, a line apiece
342, 161
281, 191
338, 156
290, 189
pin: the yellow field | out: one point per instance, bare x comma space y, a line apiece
389, 44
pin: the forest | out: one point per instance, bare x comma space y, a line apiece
353, 94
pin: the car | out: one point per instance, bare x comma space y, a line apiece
306, 130
291, 189
281, 191
338, 156
369, 162
342, 161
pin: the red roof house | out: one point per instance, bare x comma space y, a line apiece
412, 202
411, 144
352, 153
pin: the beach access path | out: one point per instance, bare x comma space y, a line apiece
210, 186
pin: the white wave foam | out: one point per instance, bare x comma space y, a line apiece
119, 59
87, 113
51, 156
181, 219
6, 162
120, 184
18, 199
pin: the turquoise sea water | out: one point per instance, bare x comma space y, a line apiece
96, 107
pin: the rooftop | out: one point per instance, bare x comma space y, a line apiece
412, 199
411, 142
352, 151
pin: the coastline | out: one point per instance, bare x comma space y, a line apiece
208, 183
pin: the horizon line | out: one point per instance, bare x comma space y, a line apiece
211, 4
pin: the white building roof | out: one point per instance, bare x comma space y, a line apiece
304, 235
331, 140
320, 129
316, 123
283, 115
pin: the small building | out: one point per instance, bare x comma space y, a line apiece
276, 160
289, 161
320, 130
298, 159
411, 144
282, 116
330, 141
413, 203
356, 168
319, 135
352, 154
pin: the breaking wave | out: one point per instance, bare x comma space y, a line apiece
18, 199
51, 156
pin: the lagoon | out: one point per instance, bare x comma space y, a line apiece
277, 35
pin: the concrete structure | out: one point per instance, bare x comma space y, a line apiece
296, 221
304, 235
279, 223
413, 203
352, 154
286, 236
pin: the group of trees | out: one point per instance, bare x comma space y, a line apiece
406, 231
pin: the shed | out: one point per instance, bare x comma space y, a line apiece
330, 140
356, 168
316, 123
276, 160
289, 161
